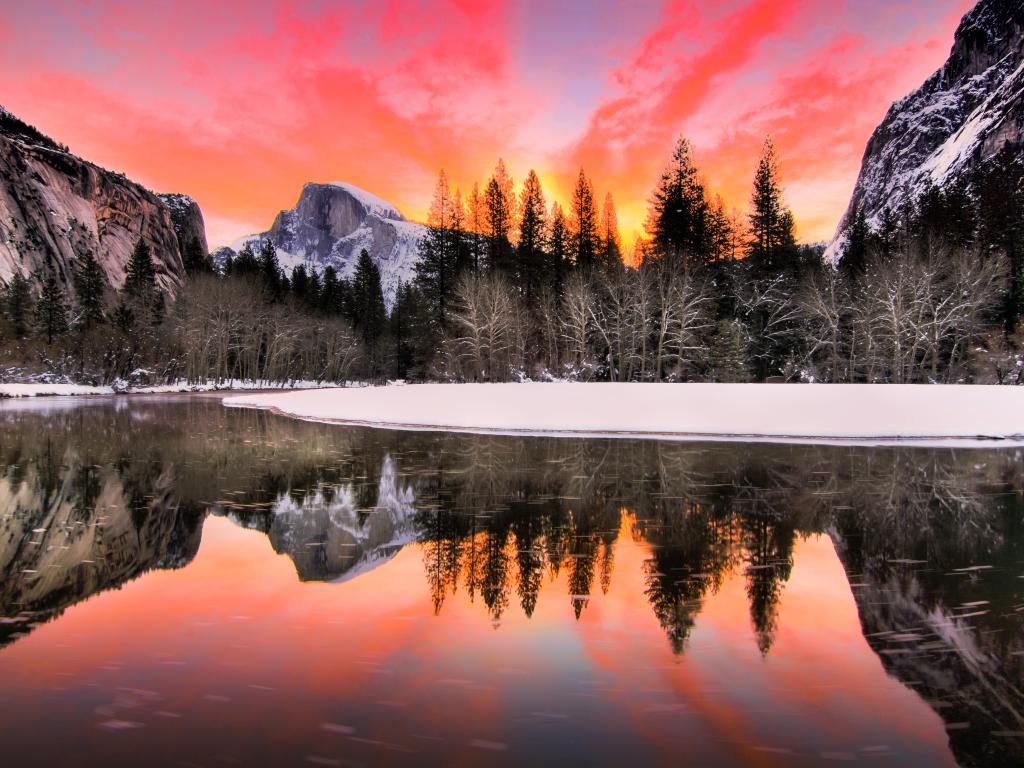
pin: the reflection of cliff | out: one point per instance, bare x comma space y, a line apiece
330, 538
92, 497
963, 659
69, 530
935, 568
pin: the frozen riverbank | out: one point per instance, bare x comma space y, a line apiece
860, 413
38, 389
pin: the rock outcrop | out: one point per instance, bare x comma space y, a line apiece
330, 224
56, 207
963, 115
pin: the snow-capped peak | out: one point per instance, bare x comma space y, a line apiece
960, 117
331, 224
374, 204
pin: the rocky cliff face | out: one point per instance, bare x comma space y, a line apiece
330, 225
56, 207
964, 114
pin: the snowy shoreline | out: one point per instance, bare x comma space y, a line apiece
950, 416
36, 389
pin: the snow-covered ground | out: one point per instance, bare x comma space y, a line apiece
39, 389
774, 412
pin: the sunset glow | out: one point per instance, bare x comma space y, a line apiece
239, 103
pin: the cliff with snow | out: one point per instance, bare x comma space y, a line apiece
330, 224
963, 115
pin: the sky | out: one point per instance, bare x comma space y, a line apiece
238, 103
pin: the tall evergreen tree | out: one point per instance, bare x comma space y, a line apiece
245, 264
558, 248
270, 271
140, 274
404, 323
330, 298
530, 249
772, 243
855, 256
438, 266
368, 309
720, 235
90, 286
51, 310
500, 206
886, 239
195, 259
300, 284
476, 227
677, 221
140, 287
584, 233
999, 190
610, 254
18, 304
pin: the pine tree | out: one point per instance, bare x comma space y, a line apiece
440, 253
300, 284
611, 243
406, 317
140, 287
476, 226
999, 190
245, 264
886, 239
558, 244
330, 298
727, 357
140, 274
195, 259
51, 310
720, 237
90, 286
368, 309
773, 243
855, 256
270, 271
677, 220
18, 304
530, 249
584, 235
500, 207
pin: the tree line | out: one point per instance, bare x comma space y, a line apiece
509, 288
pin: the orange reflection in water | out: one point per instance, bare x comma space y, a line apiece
233, 656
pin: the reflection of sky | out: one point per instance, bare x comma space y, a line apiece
239, 103
202, 655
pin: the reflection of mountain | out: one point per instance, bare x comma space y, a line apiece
92, 497
68, 531
964, 666
329, 538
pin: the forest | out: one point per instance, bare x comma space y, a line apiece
508, 289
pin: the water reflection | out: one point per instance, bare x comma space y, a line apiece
931, 540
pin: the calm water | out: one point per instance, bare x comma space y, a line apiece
183, 585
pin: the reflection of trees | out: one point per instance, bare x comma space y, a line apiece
501, 519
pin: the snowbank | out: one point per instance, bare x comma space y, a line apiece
775, 412
39, 389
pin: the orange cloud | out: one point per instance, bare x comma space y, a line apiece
239, 104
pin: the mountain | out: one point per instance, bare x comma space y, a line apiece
963, 115
55, 207
330, 538
330, 224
